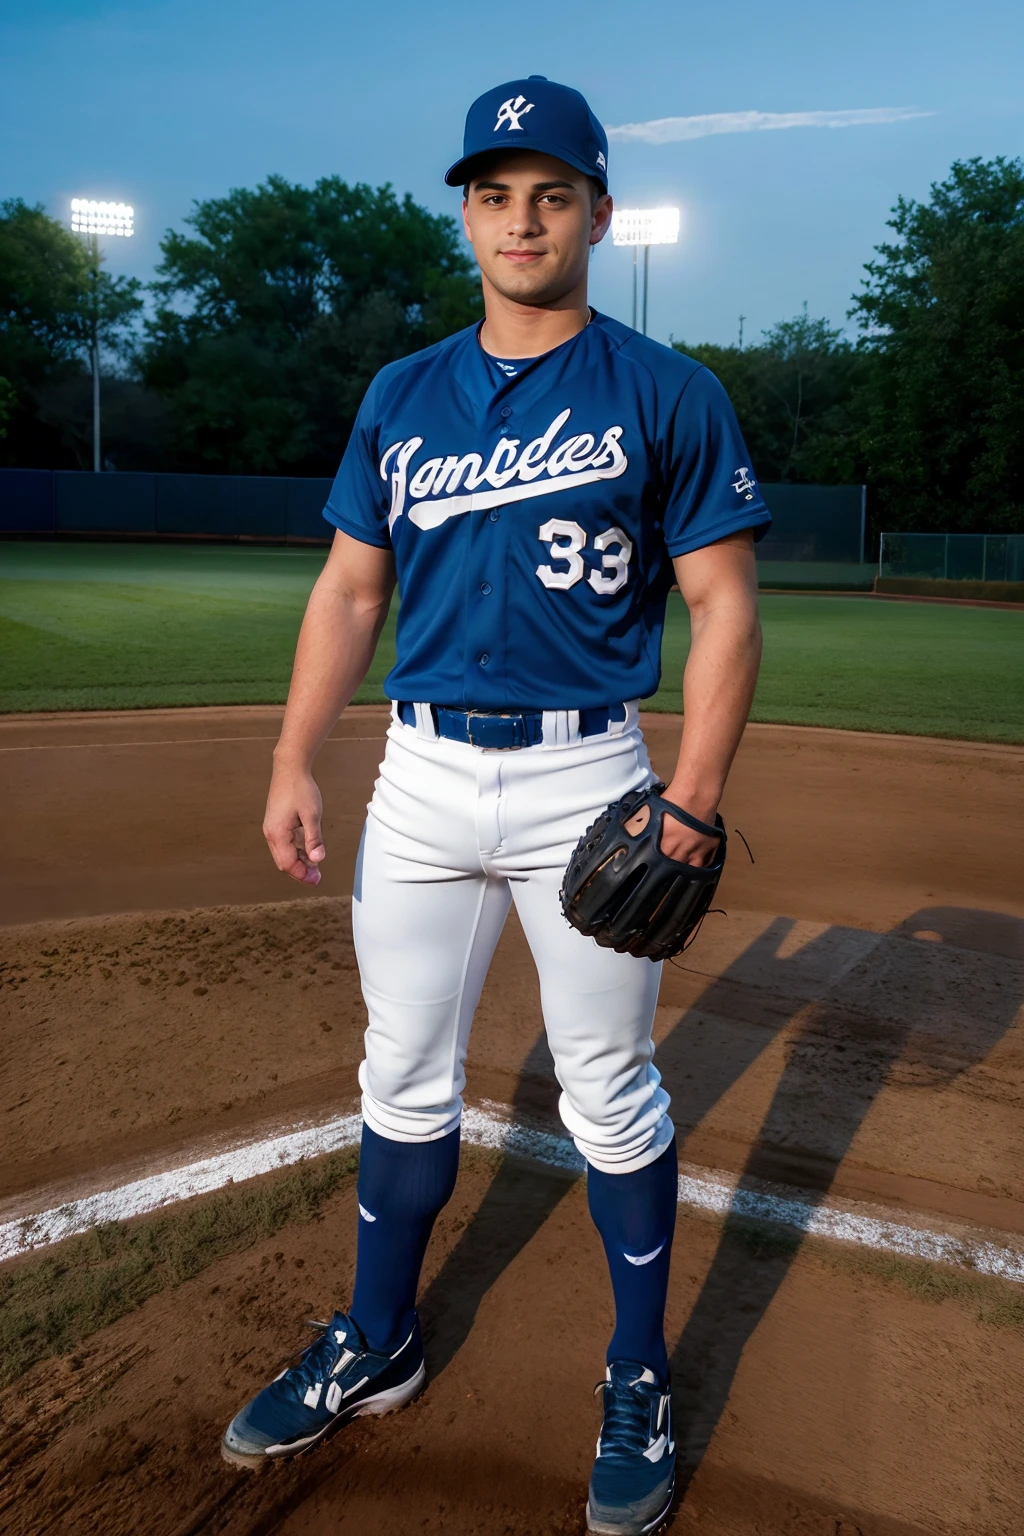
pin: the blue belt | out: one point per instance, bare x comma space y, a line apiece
505, 730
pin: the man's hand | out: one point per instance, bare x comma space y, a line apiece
291, 825
683, 843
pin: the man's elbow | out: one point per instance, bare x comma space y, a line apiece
733, 610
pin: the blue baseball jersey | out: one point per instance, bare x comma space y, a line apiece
533, 518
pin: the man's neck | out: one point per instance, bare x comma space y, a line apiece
520, 330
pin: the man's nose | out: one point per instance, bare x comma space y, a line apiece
523, 219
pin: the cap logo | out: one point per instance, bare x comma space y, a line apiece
601, 161
511, 111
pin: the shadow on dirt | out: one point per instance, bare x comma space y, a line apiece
919, 1006
515, 1207
910, 1006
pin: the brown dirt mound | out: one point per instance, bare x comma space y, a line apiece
887, 1066
812, 1399
870, 1042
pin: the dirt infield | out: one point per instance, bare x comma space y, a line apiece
153, 809
162, 987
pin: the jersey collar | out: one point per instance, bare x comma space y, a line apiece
474, 370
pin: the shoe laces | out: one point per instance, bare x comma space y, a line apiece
316, 1360
627, 1413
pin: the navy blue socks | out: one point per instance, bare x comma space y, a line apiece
635, 1214
402, 1187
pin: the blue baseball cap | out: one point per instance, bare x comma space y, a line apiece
536, 114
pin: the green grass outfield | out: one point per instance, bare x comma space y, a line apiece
120, 626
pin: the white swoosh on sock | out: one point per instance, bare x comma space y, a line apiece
643, 1258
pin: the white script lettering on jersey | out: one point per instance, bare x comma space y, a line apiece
539, 469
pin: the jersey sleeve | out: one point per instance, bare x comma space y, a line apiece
709, 485
359, 499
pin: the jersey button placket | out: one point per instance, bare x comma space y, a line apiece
485, 638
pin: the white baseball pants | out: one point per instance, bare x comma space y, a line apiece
453, 835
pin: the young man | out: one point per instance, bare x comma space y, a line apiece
536, 482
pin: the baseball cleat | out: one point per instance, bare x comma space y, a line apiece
336, 1379
634, 1475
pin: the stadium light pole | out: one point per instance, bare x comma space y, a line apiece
644, 227
92, 219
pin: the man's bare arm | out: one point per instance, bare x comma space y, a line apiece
719, 587
344, 617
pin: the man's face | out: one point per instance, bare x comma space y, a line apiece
531, 220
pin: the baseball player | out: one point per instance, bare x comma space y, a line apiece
535, 484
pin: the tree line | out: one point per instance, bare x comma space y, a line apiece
271, 312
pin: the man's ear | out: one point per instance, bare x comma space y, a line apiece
601, 218
465, 220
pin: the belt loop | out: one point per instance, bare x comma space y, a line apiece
629, 722
572, 725
549, 727
426, 724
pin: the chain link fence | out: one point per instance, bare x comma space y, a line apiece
952, 556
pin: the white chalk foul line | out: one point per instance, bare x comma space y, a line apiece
844, 1224
700, 1189
162, 1189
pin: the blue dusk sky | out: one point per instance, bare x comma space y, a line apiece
161, 102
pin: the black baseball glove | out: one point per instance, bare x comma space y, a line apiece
620, 888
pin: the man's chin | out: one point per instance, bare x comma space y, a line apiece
526, 287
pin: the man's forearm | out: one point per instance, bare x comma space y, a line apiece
336, 645
718, 687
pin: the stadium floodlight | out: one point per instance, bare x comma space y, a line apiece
89, 217
644, 227
93, 217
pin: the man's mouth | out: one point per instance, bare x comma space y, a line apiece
522, 258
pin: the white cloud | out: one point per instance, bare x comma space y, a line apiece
670, 130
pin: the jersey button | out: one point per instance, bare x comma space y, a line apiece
493, 516
485, 588
506, 411
484, 658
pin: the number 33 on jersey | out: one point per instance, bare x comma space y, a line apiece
533, 518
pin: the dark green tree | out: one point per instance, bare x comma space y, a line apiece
278, 308
791, 393
53, 299
940, 413
8, 402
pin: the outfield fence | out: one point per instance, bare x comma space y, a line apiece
952, 556
820, 523
813, 524
271, 508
